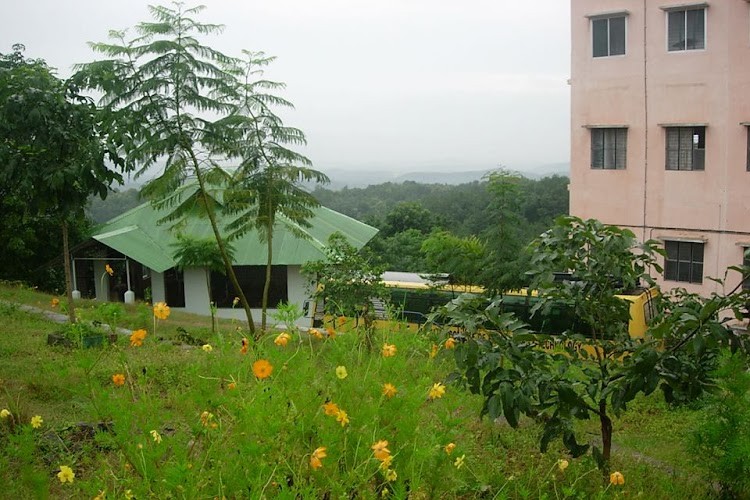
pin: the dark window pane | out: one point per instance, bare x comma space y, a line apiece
672, 248
251, 279
694, 28
676, 31
697, 273
684, 252
697, 252
748, 148
683, 272
600, 29
670, 270
616, 36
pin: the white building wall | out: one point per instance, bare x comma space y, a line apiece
158, 293
196, 291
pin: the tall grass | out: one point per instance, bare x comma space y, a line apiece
196, 422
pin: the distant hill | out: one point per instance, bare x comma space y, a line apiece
360, 178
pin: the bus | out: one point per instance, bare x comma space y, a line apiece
414, 297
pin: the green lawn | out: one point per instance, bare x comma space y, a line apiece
222, 432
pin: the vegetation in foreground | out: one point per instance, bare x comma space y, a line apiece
288, 416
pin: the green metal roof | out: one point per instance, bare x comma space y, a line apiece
138, 235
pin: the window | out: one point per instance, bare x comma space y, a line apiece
251, 279
684, 261
609, 148
686, 29
686, 148
608, 36
746, 263
748, 148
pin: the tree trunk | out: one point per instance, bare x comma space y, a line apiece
267, 285
222, 248
606, 427
68, 273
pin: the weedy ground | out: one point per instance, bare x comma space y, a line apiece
189, 421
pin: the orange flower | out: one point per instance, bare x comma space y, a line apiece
54, 302
245, 343
450, 343
331, 408
232, 385
616, 479
380, 450
341, 321
342, 418
319, 453
449, 448
389, 390
262, 369
207, 420
316, 333
331, 333
282, 340
389, 350
118, 379
161, 310
136, 339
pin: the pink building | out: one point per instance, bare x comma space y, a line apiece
660, 128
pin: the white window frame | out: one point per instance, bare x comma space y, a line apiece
607, 16
684, 8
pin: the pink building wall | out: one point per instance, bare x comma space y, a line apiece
650, 87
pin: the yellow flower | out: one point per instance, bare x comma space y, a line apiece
235, 301
341, 372
331, 409
245, 344
316, 456
54, 302
316, 333
342, 418
449, 448
562, 464
161, 310
282, 339
390, 475
206, 418
436, 391
118, 379
101, 496
129, 495
4, 413
385, 464
66, 474
459, 462
262, 369
616, 478
109, 270
389, 350
341, 321
389, 390
136, 339
380, 450
156, 436
207, 347
450, 343
434, 350
36, 421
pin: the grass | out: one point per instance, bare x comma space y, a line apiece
226, 433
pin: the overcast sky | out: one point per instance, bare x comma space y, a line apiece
398, 85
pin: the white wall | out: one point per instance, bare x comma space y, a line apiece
196, 291
157, 287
